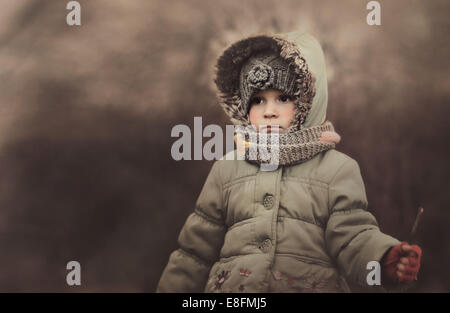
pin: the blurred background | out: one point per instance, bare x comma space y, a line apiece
86, 113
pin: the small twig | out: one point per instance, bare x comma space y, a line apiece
412, 234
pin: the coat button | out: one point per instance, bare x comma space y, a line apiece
265, 245
268, 201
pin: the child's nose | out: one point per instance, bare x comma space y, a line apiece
270, 110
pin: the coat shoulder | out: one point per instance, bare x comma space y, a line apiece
332, 161
323, 167
337, 157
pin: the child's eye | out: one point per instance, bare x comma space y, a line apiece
255, 100
285, 98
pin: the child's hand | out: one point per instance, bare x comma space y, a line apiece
402, 263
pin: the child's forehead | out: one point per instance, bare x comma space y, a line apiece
268, 92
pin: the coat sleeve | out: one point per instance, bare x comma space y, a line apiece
200, 241
352, 234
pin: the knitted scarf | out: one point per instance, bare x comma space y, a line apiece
290, 148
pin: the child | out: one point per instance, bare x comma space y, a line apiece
303, 227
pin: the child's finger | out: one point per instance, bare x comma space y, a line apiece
401, 267
407, 248
404, 260
409, 271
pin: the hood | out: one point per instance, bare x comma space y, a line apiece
301, 50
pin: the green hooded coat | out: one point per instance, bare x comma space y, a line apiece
300, 228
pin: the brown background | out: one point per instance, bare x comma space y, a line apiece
86, 113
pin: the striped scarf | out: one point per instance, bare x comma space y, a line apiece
292, 148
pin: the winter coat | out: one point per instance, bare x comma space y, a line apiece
300, 228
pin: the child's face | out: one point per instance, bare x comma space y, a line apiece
271, 107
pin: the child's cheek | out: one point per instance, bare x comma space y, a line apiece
290, 113
253, 117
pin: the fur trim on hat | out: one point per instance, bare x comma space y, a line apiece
227, 72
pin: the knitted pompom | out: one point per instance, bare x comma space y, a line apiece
329, 136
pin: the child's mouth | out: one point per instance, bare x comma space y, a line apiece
271, 128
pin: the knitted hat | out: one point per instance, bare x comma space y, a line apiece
262, 71
270, 60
